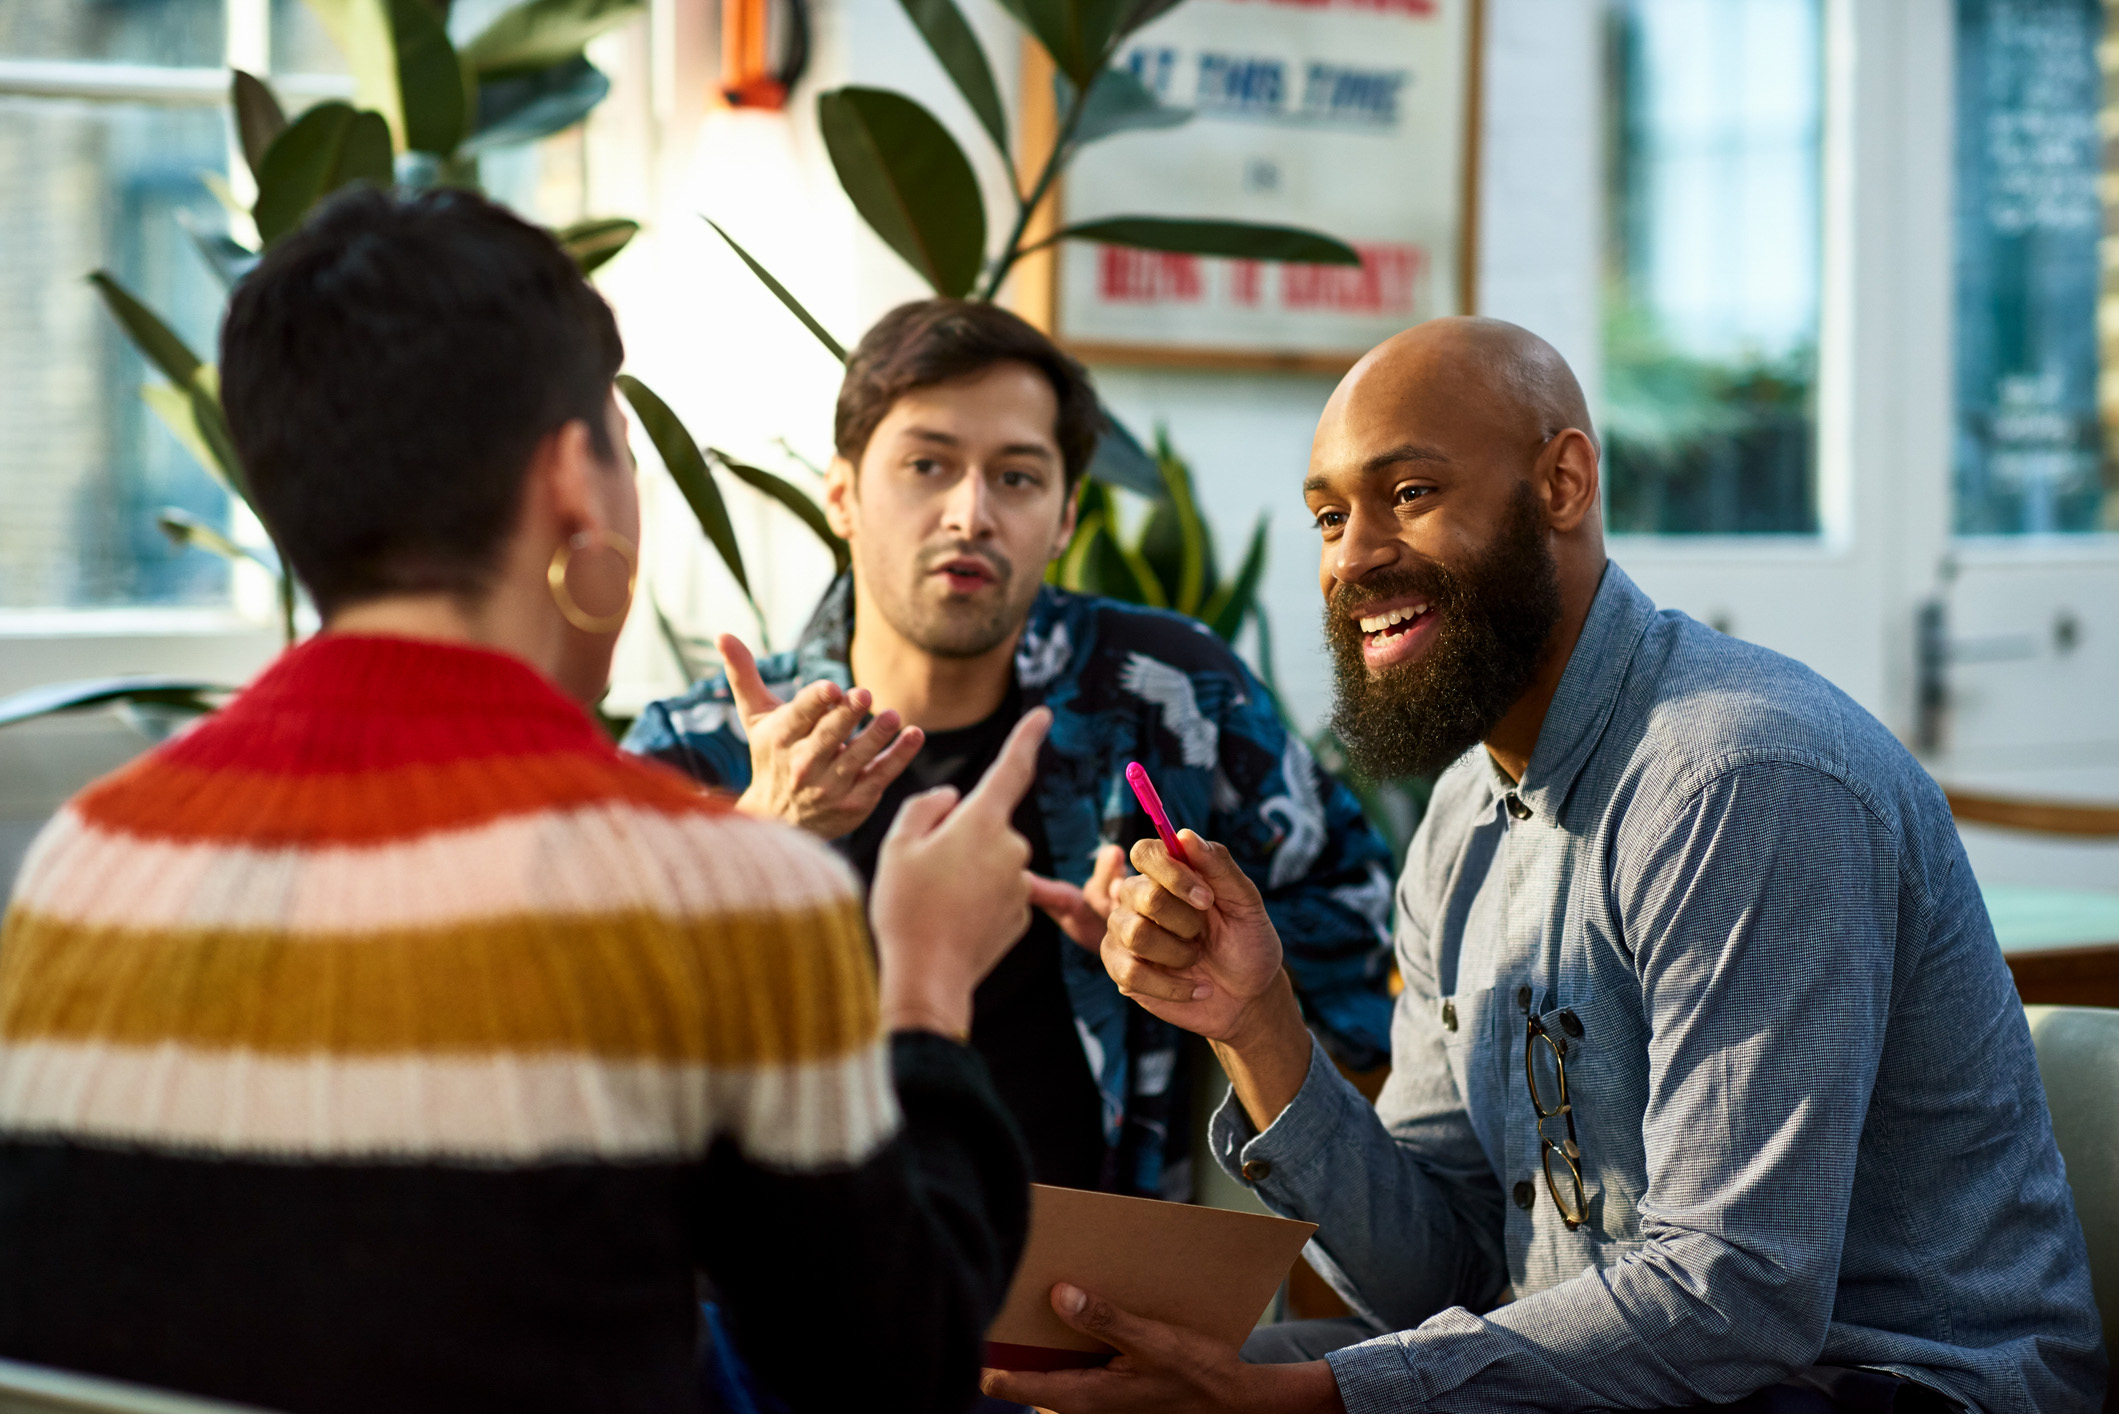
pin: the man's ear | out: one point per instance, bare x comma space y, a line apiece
1070, 513
840, 497
1569, 462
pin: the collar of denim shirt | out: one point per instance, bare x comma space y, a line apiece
1582, 706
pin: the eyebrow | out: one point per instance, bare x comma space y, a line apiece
1012, 449
1382, 461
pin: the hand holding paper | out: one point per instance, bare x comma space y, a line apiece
1162, 1369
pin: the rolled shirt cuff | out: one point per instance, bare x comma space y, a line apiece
1376, 1377
1275, 1164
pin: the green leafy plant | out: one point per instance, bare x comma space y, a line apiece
1169, 562
915, 187
423, 112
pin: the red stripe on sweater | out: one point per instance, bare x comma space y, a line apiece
356, 739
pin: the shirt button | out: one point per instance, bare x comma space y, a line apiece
1526, 1196
1255, 1170
1516, 807
1571, 1024
1449, 1016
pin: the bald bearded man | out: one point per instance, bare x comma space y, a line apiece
1706, 1053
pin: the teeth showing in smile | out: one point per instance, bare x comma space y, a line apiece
1377, 623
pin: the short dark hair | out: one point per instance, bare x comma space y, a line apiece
934, 341
388, 371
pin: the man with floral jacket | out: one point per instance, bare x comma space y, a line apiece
962, 433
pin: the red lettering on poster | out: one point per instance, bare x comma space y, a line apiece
1246, 280
1383, 284
1422, 9
1126, 276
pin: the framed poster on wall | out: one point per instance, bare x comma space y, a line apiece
1351, 117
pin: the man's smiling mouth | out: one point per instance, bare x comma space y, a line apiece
1391, 623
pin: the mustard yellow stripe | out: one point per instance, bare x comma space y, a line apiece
742, 989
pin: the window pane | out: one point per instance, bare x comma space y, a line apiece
176, 32
300, 44
84, 466
1710, 345
2029, 454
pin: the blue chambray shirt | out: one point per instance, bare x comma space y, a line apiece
1126, 683
1811, 1123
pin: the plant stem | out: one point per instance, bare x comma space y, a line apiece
1026, 207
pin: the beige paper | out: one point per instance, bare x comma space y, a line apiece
1206, 1269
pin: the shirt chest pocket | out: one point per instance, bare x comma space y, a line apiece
1599, 1050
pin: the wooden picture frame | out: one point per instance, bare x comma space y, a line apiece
1280, 58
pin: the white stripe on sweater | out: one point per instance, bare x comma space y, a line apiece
461, 1108
591, 860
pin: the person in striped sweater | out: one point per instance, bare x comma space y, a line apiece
389, 1041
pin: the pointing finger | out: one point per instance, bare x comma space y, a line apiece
922, 813
1011, 773
753, 698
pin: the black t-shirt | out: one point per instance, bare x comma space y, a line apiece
1022, 1023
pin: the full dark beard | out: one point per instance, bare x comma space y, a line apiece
1494, 617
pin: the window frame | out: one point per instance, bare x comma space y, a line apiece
223, 642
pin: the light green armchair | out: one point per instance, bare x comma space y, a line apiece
34, 1389
2078, 1058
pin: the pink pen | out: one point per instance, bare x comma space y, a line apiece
1137, 777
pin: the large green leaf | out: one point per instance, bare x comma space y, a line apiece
1078, 34
794, 306
228, 260
154, 339
910, 182
811, 514
363, 33
327, 147
258, 117
92, 692
1243, 240
688, 468
434, 92
188, 531
1118, 103
172, 406
205, 396
1097, 562
1145, 12
525, 107
1120, 460
1224, 612
1176, 542
540, 33
591, 243
950, 36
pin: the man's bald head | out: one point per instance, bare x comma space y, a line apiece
1500, 368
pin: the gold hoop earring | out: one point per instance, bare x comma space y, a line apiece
555, 577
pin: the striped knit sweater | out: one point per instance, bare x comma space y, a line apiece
391, 1042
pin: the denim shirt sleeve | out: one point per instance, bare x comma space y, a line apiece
1408, 1212
1762, 911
